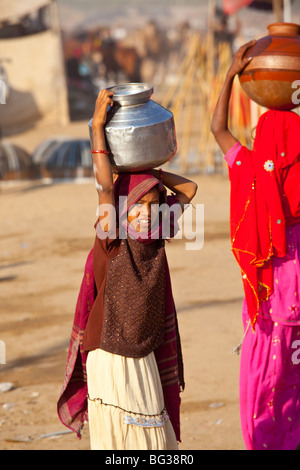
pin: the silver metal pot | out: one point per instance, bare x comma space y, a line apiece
140, 133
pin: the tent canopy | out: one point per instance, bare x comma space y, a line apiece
15, 162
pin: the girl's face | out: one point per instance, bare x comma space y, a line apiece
144, 213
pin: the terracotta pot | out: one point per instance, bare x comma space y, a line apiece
275, 66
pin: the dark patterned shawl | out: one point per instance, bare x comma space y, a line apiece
72, 403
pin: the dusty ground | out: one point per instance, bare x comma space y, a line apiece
45, 235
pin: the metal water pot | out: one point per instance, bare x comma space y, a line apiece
140, 134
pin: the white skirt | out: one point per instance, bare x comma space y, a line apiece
125, 405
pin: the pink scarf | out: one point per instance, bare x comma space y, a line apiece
134, 186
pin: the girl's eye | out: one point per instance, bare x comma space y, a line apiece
135, 209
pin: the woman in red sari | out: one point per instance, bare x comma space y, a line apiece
125, 351
265, 237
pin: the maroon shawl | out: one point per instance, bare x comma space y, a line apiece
72, 403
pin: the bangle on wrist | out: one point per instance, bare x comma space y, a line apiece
106, 152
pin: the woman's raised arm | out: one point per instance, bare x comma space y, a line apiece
219, 123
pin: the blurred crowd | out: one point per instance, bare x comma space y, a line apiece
104, 56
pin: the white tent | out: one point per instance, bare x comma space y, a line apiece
11, 9
32, 67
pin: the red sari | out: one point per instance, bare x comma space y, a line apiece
265, 198
265, 231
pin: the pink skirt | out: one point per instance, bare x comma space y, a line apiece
270, 360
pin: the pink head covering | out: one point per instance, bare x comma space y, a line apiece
133, 186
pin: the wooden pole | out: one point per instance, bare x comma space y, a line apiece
210, 70
287, 11
278, 10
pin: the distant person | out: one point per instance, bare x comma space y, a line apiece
265, 236
222, 32
125, 349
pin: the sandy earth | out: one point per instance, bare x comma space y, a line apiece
45, 235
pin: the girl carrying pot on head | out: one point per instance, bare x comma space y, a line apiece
125, 369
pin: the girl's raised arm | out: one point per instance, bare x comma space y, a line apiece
184, 188
102, 167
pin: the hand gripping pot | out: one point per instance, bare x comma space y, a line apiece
140, 134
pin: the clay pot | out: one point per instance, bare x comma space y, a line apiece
275, 66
